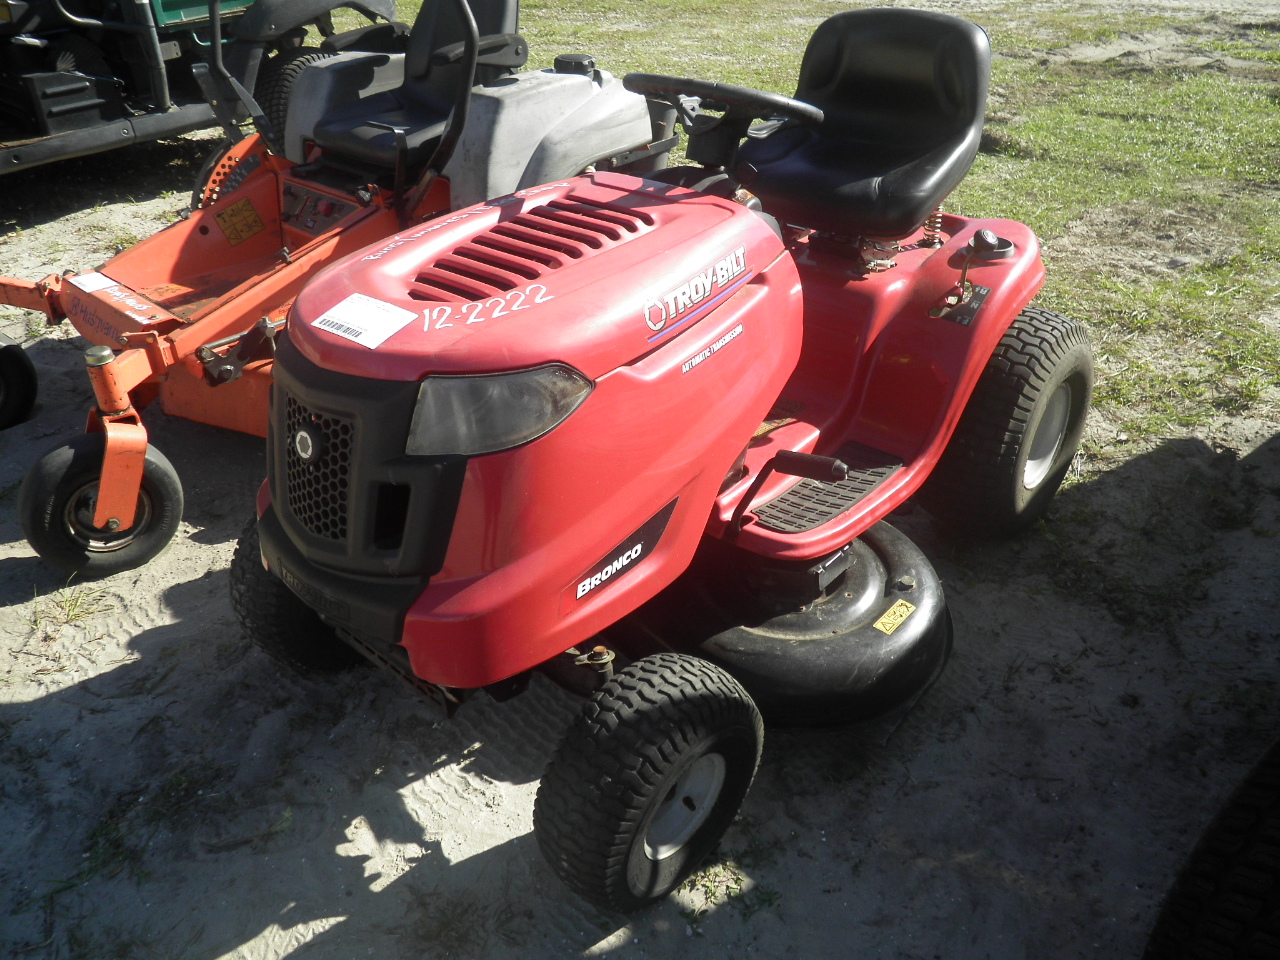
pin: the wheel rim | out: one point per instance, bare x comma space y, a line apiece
1047, 438
686, 807
77, 518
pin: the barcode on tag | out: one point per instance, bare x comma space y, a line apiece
366, 321
325, 323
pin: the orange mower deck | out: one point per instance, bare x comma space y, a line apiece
184, 301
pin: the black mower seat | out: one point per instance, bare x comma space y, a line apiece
432, 71
350, 131
904, 93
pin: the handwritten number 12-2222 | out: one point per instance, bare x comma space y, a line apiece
477, 311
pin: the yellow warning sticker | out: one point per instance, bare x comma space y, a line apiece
894, 617
239, 222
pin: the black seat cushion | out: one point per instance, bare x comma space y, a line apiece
421, 104
904, 93
348, 131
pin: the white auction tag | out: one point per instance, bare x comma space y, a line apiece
92, 282
367, 321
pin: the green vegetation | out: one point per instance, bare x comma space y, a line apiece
1152, 182
1118, 165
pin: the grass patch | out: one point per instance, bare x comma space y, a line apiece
64, 608
1067, 143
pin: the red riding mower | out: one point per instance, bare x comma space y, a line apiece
641, 434
371, 143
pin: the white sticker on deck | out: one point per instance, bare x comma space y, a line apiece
367, 321
92, 282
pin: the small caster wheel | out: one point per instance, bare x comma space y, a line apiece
647, 780
18, 383
58, 497
273, 617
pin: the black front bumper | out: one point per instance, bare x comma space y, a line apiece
360, 504
371, 607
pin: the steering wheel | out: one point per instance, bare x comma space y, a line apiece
738, 101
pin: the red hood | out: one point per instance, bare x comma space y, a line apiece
593, 272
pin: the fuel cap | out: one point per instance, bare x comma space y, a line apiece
580, 63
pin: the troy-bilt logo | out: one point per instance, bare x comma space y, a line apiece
658, 313
314, 597
619, 561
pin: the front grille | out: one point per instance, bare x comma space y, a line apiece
317, 491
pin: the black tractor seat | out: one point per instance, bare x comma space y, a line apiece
432, 71
351, 133
904, 94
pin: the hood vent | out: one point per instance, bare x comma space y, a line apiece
513, 252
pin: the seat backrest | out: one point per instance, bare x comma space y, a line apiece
438, 25
908, 75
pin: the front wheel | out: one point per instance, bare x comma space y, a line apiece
18, 383
647, 780
272, 616
60, 493
1020, 430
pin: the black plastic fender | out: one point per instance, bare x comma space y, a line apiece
268, 19
868, 645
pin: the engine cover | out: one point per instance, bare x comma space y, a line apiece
593, 272
683, 309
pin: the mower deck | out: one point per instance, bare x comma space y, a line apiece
183, 298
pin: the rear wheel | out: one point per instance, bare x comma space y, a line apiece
272, 616
275, 83
60, 493
219, 174
18, 383
1020, 430
647, 780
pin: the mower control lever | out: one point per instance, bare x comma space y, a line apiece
807, 465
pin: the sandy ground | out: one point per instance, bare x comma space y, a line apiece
167, 792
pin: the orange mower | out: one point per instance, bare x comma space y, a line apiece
371, 145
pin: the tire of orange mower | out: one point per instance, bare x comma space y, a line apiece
18, 384
56, 502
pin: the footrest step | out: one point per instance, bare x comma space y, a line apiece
811, 503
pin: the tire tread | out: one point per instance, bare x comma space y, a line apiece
1225, 902
274, 618
620, 745
981, 458
277, 80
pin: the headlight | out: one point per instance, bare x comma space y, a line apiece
497, 411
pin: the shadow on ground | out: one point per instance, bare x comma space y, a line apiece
139, 172
173, 793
